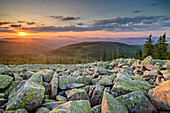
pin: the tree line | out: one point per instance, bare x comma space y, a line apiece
158, 49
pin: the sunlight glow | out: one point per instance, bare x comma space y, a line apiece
22, 33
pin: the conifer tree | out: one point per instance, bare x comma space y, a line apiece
148, 47
161, 48
104, 55
113, 55
138, 54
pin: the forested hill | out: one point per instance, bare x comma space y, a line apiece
10, 47
95, 49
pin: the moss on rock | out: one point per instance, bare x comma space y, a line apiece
111, 105
5, 80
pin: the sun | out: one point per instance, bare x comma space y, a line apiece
22, 33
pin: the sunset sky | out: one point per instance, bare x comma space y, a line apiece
84, 18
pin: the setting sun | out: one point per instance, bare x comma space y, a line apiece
22, 33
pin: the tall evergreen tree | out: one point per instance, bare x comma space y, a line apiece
148, 46
138, 54
104, 55
113, 55
161, 48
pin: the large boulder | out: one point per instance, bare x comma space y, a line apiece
81, 106
97, 95
111, 105
97, 108
77, 94
137, 102
28, 74
36, 78
148, 63
54, 85
28, 95
84, 79
64, 81
42, 110
108, 80
125, 83
5, 80
52, 105
160, 96
46, 74
166, 74
13, 85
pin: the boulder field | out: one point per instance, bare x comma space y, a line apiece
117, 86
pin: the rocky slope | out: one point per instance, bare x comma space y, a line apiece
119, 86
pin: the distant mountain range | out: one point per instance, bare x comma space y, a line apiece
10, 47
60, 41
54, 47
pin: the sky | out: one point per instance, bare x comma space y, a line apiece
84, 18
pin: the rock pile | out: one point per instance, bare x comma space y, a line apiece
118, 86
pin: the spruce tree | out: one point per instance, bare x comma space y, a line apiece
161, 48
104, 55
138, 54
113, 55
148, 47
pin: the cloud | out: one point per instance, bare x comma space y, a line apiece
6, 29
116, 24
137, 11
127, 20
62, 18
79, 24
30, 23
154, 4
15, 25
4, 23
21, 22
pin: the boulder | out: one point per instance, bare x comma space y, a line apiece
77, 94
21, 111
42, 110
160, 96
148, 63
2, 101
59, 111
28, 74
125, 83
36, 78
52, 105
28, 95
101, 70
5, 80
84, 79
46, 74
97, 95
166, 74
108, 80
137, 102
64, 81
13, 85
74, 85
148, 60
54, 85
159, 80
61, 98
47, 87
2, 95
149, 74
81, 106
17, 77
97, 108
111, 105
